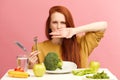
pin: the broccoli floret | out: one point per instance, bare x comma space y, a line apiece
52, 61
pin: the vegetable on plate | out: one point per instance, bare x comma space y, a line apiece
52, 61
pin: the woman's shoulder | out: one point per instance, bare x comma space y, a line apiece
90, 36
96, 33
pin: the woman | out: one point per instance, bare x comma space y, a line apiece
63, 38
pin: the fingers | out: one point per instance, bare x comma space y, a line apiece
34, 53
33, 57
61, 33
55, 33
57, 37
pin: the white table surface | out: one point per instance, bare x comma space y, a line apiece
67, 76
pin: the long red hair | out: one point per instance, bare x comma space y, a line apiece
70, 49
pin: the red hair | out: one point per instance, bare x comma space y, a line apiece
70, 49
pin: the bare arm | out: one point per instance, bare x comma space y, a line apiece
69, 32
96, 26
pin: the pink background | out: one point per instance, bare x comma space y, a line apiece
21, 20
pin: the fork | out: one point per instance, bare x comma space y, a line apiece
36, 46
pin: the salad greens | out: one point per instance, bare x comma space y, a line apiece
99, 75
96, 75
82, 72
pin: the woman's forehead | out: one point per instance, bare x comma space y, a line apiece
57, 16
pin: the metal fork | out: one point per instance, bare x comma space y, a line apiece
36, 46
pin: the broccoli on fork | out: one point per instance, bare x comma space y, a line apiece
52, 61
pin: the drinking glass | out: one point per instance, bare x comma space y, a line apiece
22, 62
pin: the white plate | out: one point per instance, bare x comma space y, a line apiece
66, 68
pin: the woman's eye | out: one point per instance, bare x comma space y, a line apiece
54, 22
63, 22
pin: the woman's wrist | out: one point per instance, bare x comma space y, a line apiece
74, 31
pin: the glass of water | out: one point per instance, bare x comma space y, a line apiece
22, 62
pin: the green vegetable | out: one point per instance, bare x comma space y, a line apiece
82, 72
52, 61
99, 75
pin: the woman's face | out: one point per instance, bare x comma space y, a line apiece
57, 21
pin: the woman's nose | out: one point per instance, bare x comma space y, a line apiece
58, 26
